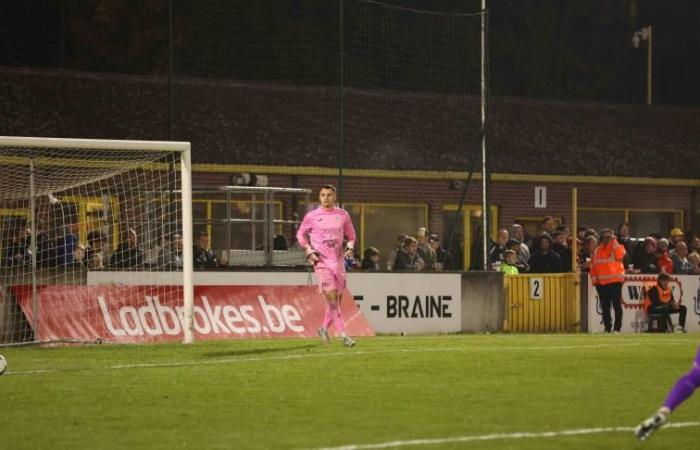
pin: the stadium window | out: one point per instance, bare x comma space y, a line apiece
207, 213
467, 231
643, 222
599, 218
378, 224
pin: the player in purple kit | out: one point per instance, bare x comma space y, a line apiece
684, 388
327, 227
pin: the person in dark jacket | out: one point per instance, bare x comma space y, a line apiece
561, 248
128, 253
645, 258
544, 260
204, 257
370, 261
407, 258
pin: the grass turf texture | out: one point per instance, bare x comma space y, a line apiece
300, 394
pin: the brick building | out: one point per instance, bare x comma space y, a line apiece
403, 151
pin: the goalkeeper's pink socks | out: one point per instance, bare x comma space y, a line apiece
334, 316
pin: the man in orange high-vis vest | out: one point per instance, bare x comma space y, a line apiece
659, 300
607, 274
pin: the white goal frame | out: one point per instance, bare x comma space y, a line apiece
184, 149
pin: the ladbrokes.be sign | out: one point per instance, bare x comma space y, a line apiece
155, 313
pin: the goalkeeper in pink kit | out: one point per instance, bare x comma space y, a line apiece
327, 227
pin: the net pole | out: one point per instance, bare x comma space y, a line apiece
33, 249
187, 244
341, 101
484, 164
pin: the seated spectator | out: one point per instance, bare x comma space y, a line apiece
17, 252
587, 250
663, 260
591, 232
391, 259
681, 265
544, 260
694, 246
441, 255
659, 300
370, 261
623, 237
204, 257
645, 258
407, 258
561, 247
521, 262
508, 266
94, 252
425, 251
168, 254
498, 247
128, 253
694, 260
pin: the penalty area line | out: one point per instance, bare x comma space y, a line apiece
500, 436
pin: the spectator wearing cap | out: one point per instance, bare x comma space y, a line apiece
681, 265
425, 251
391, 259
561, 247
370, 260
517, 232
520, 261
508, 266
204, 257
544, 260
498, 247
663, 259
677, 235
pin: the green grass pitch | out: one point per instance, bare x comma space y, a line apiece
300, 394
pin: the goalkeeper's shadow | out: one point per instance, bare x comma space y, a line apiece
257, 351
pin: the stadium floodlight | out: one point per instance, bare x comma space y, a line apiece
637, 37
71, 209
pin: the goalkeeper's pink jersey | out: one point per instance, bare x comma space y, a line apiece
326, 230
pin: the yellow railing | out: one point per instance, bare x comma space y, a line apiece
542, 303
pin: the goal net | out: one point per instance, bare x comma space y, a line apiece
77, 212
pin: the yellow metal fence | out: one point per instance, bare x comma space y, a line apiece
542, 303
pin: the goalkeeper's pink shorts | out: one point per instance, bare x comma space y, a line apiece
330, 280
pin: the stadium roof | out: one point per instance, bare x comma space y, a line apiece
244, 123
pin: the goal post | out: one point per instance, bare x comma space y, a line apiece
73, 208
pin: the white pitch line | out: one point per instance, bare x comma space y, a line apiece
500, 436
322, 355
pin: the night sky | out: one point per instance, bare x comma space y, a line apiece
563, 49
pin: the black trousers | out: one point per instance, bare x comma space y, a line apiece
667, 310
611, 295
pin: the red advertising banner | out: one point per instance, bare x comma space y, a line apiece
133, 314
